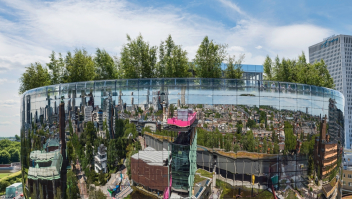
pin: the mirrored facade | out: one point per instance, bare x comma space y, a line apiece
178, 138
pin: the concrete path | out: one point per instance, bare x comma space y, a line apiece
124, 193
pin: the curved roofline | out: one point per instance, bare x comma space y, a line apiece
116, 80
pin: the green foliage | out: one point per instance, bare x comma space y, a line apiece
228, 140
70, 127
305, 148
70, 152
102, 178
234, 68
250, 123
96, 194
41, 192
166, 133
116, 151
130, 129
5, 157
210, 139
290, 138
34, 76
298, 71
3, 185
268, 68
131, 150
57, 68
265, 146
248, 142
236, 148
89, 134
173, 60
138, 59
274, 137
199, 106
58, 194
209, 58
276, 148
34, 193
17, 137
79, 66
217, 115
119, 126
239, 127
15, 155
105, 67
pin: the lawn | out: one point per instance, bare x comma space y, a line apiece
197, 179
231, 191
204, 173
291, 195
4, 175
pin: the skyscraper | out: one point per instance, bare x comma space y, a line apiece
336, 51
62, 134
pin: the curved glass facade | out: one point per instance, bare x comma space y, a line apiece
182, 137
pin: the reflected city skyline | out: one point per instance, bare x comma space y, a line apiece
210, 130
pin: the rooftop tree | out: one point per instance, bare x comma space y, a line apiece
209, 58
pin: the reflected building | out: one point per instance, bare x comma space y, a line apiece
182, 137
336, 53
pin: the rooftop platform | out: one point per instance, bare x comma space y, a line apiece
152, 157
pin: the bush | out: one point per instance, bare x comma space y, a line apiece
12, 177
3, 185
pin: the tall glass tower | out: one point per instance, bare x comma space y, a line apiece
336, 51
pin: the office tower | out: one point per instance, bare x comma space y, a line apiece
91, 100
336, 122
336, 51
83, 98
28, 111
62, 134
183, 151
100, 119
88, 113
183, 93
147, 97
110, 113
73, 99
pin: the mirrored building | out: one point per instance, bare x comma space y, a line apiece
181, 138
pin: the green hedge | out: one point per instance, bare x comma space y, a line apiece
12, 177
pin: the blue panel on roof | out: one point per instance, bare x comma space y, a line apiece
247, 68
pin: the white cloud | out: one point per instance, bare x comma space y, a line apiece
259, 47
9, 103
232, 6
5, 123
2, 81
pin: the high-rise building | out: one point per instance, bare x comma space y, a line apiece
100, 119
88, 113
336, 51
62, 134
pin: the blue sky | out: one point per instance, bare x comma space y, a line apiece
30, 30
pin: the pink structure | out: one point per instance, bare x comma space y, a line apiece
181, 123
167, 189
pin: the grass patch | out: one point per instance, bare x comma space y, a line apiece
4, 175
291, 195
197, 179
230, 191
11, 176
204, 173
